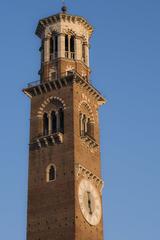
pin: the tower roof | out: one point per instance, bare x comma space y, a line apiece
64, 16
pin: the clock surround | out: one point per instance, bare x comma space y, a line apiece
90, 202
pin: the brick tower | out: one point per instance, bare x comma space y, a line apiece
65, 185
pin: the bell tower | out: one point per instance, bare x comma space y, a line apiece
65, 184
64, 45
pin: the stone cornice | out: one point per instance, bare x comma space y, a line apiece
38, 88
43, 23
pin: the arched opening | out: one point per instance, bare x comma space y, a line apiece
45, 124
72, 47
54, 122
86, 122
86, 126
56, 43
53, 118
51, 173
66, 46
51, 45
55, 46
66, 43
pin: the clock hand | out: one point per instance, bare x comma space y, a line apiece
89, 202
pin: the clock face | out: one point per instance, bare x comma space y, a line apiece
90, 202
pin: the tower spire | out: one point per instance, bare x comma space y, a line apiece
64, 7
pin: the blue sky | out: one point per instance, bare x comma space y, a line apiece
125, 62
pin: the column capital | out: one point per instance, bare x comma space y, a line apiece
61, 34
46, 38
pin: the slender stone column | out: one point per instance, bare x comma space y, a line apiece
78, 49
87, 54
46, 49
49, 123
58, 121
69, 46
54, 47
86, 124
92, 129
81, 124
61, 46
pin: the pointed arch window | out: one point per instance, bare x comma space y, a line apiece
51, 173
86, 126
70, 46
53, 119
53, 46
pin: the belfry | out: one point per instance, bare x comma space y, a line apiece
65, 184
